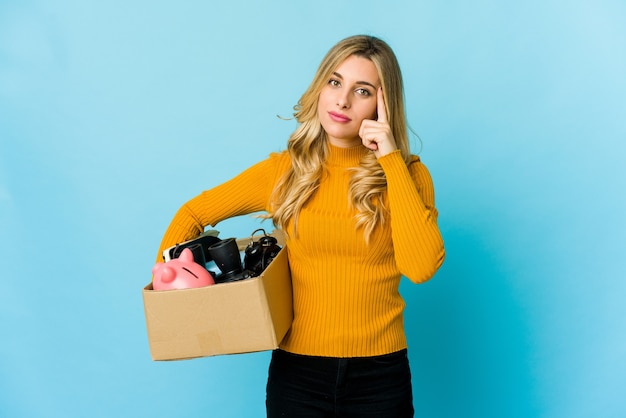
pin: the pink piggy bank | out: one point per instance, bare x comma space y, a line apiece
180, 273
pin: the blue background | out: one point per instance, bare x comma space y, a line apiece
112, 114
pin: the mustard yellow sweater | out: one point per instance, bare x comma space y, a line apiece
346, 299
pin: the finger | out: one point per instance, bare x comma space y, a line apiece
381, 108
368, 129
373, 145
371, 134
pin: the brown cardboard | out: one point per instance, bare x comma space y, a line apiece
239, 317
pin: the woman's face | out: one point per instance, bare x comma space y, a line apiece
348, 98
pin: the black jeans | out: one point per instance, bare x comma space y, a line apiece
307, 387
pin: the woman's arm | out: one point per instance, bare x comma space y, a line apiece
246, 193
417, 241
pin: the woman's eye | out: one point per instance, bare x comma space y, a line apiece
334, 83
363, 92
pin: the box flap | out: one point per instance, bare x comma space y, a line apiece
276, 280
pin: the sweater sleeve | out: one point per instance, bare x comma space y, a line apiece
246, 193
417, 242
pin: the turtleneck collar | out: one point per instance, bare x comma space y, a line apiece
345, 157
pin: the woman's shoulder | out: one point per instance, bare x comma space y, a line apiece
415, 163
279, 159
279, 155
414, 159
418, 169
275, 164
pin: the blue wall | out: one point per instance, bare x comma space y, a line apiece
112, 114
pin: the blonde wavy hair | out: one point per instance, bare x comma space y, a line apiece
308, 146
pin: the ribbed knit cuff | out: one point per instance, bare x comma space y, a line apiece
392, 161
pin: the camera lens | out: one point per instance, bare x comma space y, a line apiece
226, 256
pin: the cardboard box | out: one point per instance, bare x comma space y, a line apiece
238, 317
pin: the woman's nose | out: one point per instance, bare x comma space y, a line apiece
343, 100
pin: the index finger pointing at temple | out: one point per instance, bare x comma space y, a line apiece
381, 109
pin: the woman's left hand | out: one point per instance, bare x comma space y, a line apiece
376, 134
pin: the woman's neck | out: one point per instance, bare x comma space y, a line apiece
345, 156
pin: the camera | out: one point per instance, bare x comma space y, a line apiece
259, 254
199, 246
226, 256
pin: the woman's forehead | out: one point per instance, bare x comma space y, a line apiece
358, 69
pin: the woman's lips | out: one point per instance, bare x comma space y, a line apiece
338, 117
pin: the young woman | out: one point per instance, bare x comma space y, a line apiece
358, 212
